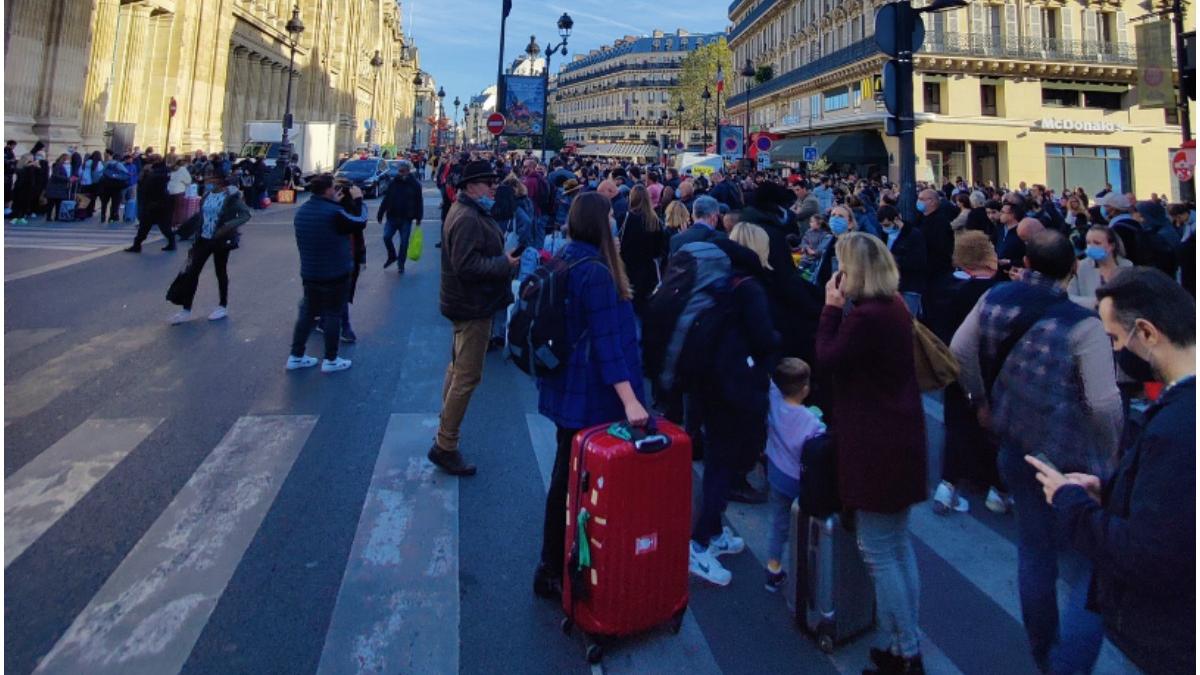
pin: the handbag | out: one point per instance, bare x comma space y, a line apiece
286, 196
416, 243
182, 289
935, 363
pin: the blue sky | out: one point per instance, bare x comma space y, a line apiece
459, 39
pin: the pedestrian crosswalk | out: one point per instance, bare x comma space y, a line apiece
85, 236
398, 605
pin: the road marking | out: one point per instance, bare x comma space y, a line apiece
42, 491
656, 651
147, 616
21, 339
37, 388
397, 610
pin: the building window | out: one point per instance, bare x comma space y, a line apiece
837, 99
932, 92
1105, 100
856, 94
1060, 98
1171, 115
1108, 27
1068, 166
987, 100
814, 106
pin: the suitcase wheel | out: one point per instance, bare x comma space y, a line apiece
594, 653
825, 643
566, 625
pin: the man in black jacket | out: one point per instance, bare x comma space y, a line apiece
154, 203
934, 222
403, 205
1138, 527
726, 191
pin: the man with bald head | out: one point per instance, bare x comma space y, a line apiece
1028, 228
934, 222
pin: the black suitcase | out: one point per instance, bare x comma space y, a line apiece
828, 590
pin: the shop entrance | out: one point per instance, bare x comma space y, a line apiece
947, 160
1071, 166
985, 163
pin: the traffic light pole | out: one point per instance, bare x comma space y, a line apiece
905, 124
1187, 189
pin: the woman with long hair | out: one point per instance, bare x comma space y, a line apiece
1079, 222
1104, 256
59, 188
643, 243
677, 217
220, 216
602, 381
879, 426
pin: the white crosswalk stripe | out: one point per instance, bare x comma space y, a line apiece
42, 491
151, 610
71, 236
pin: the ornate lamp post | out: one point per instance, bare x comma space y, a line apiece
418, 81
457, 132
376, 63
705, 96
294, 28
565, 24
748, 73
441, 112
679, 114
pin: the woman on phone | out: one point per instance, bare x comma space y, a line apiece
879, 426
603, 378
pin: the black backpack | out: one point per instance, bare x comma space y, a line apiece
819, 477
684, 317
537, 331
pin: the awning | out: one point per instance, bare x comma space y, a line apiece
851, 147
632, 150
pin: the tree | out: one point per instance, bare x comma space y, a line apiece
699, 69
554, 135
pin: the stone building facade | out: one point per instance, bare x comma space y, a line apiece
75, 69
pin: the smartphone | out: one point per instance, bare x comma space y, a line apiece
1041, 457
1005, 266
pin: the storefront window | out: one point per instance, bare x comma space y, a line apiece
1069, 166
836, 99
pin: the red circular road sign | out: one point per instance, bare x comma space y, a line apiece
1184, 164
495, 123
172, 107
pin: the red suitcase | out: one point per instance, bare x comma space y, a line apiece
634, 488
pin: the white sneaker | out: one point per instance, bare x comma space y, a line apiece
297, 362
180, 317
947, 499
726, 543
335, 365
998, 502
704, 564
218, 314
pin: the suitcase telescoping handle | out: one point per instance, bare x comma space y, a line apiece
646, 441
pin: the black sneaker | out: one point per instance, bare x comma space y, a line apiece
546, 584
391, 260
450, 462
134, 249
349, 337
775, 580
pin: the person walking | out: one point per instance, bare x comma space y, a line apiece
879, 427
177, 188
602, 380
404, 206
476, 284
324, 225
155, 205
221, 214
1067, 407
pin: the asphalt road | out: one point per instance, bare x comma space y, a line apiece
176, 502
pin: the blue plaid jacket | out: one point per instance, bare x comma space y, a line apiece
602, 328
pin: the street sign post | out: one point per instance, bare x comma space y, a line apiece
763, 143
496, 124
172, 107
810, 153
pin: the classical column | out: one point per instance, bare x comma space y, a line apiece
59, 113
278, 73
24, 56
99, 70
241, 59
157, 89
131, 75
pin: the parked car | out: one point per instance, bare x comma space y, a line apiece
370, 175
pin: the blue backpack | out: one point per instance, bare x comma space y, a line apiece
114, 172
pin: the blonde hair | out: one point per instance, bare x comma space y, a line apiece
677, 215
973, 250
518, 188
754, 238
848, 212
867, 267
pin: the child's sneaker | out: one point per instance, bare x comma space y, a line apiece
725, 543
947, 499
998, 502
703, 563
775, 580
335, 365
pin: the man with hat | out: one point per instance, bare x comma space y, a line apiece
476, 278
403, 205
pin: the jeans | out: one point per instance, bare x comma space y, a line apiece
554, 523
462, 377
780, 507
390, 229
201, 250
327, 299
886, 548
1069, 643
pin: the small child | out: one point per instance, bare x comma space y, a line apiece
813, 245
789, 426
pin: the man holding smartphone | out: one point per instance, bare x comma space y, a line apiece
476, 284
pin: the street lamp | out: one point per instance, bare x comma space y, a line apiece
679, 114
705, 96
294, 28
747, 72
565, 24
457, 103
441, 112
376, 63
418, 81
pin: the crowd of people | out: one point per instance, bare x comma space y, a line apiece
1071, 318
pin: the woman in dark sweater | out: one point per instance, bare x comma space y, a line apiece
643, 243
879, 426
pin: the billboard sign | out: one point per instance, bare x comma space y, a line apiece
523, 105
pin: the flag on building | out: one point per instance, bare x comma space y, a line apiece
1154, 83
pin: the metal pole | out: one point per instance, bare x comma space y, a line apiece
704, 124
500, 65
746, 129
545, 112
717, 124
1187, 189
908, 148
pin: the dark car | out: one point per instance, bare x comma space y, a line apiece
370, 175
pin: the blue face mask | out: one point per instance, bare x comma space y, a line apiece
920, 206
839, 225
891, 229
1096, 253
486, 203
1104, 212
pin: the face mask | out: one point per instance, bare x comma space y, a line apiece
839, 225
891, 229
1104, 212
1141, 370
920, 206
486, 203
1096, 253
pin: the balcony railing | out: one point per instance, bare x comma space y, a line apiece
754, 15
567, 78
620, 123
957, 44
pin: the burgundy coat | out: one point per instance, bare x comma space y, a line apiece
877, 417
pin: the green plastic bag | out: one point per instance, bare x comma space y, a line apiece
416, 242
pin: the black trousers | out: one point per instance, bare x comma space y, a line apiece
327, 299
110, 203
554, 531
970, 450
201, 250
149, 218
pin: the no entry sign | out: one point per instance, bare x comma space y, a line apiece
1184, 164
495, 123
